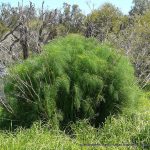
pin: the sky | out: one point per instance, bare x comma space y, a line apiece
123, 5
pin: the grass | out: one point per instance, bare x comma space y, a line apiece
133, 128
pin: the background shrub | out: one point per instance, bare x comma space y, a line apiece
73, 78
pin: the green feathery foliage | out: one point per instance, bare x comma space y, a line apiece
73, 78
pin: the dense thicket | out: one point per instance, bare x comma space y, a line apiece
24, 30
73, 78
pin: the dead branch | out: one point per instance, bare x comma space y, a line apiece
11, 32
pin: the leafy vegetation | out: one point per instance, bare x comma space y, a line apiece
106, 20
72, 91
27, 29
74, 78
120, 132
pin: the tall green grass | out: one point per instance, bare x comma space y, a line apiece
122, 132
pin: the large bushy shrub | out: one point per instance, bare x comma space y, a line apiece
73, 78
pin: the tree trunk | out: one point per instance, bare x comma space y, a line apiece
24, 42
25, 51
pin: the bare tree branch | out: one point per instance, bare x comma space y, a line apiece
11, 32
